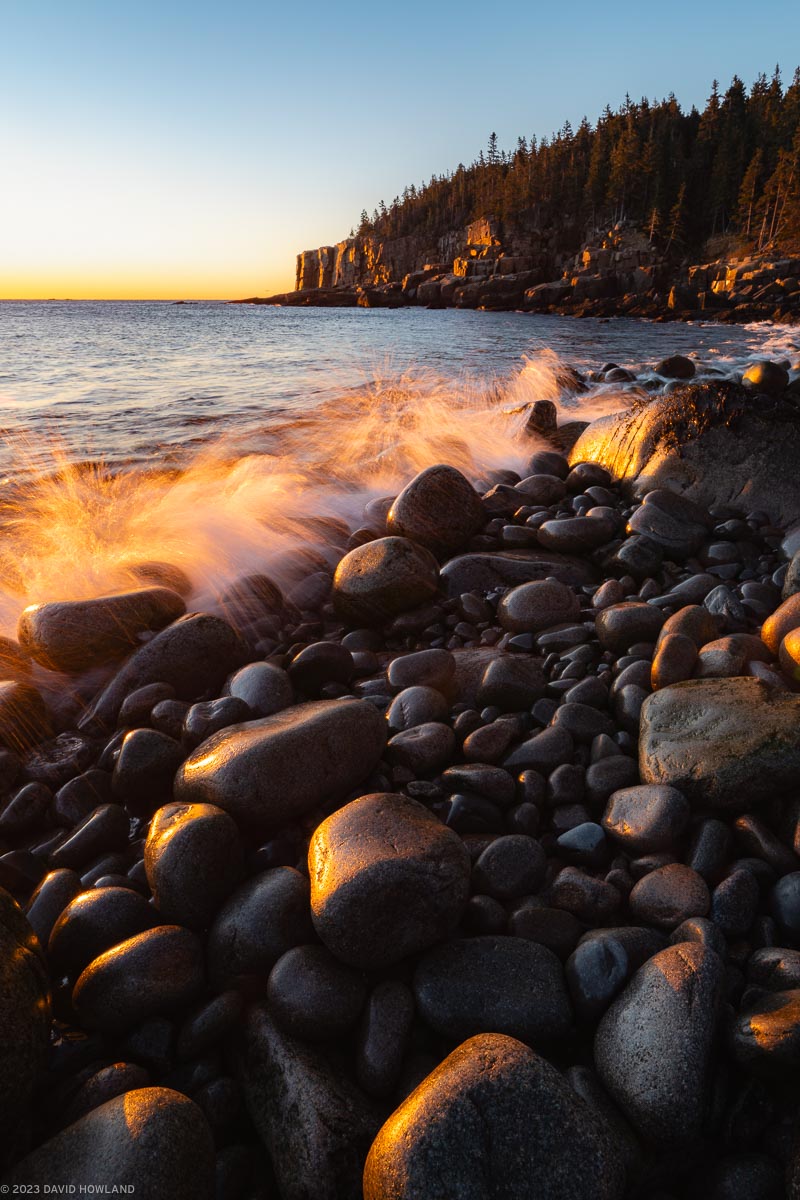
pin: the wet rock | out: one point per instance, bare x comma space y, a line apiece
426, 668
493, 1120
510, 867
24, 1019
145, 769
24, 719
313, 996
730, 656
194, 859
194, 655
315, 1125
383, 1037
493, 984
416, 706
138, 706
653, 1046
534, 606
766, 1035
103, 831
484, 572
252, 597
15, 662
375, 582
438, 509
676, 366
318, 664
596, 971
674, 661
765, 376
784, 619
210, 1024
669, 895
576, 535
386, 880
423, 749
646, 818
210, 716
75, 635
50, 899
674, 523
263, 687
152, 1139
727, 743
151, 973
511, 683
251, 770
734, 903
92, 923
622, 625
541, 489
263, 919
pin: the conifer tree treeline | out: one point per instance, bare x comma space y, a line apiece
683, 177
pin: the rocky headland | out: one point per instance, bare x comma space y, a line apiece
499, 266
470, 868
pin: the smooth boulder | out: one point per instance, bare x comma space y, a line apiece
438, 509
275, 770
383, 578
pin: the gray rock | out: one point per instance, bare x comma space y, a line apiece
265, 917
92, 923
535, 606
387, 880
622, 625
313, 996
383, 578
646, 818
490, 1123
315, 1125
416, 706
670, 895
439, 509
493, 985
151, 973
512, 683
24, 1018
676, 366
193, 858
653, 1046
484, 572
725, 743
766, 1035
152, 1139
194, 655
75, 635
264, 688
273, 771
425, 668
383, 1036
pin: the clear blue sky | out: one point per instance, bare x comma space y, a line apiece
177, 148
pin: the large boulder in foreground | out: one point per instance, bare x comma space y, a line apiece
24, 1017
75, 635
194, 655
153, 1140
725, 743
494, 1120
653, 1046
381, 579
315, 1125
710, 441
387, 879
270, 772
439, 509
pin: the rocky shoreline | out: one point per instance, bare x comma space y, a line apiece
473, 869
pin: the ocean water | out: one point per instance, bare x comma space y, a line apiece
215, 435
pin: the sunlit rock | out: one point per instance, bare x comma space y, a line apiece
375, 582
725, 743
439, 509
194, 859
74, 635
153, 1140
494, 1119
270, 772
24, 719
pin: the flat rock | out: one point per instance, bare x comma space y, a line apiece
315, 1125
725, 743
152, 1139
653, 1046
75, 635
485, 572
387, 880
275, 770
494, 1121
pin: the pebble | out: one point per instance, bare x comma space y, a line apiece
264, 689
510, 867
384, 1037
539, 605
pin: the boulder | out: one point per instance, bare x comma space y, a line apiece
272, 771
75, 635
193, 859
264, 918
706, 441
724, 743
653, 1045
152, 1140
316, 1125
387, 880
383, 578
485, 572
494, 1120
438, 509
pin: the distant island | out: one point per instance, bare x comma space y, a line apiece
651, 212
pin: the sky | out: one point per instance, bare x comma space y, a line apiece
185, 150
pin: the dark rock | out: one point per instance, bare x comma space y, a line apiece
535, 606
783, 620
92, 923
576, 535
210, 716
677, 366
210, 1024
51, 897
622, 625
653, 1045
384, 1036
313, 996
194, 859
416, 706
492, 1120
510, 867
24, 719
766, 1035
263, 687
266, 916
596, 971
646, 818
438, 509
386, 880
390, 575
484, 572
75, 635
152, 1139
667, 896
251, 770
151, 973
427, 668
145, 769
493, 985
105, 829
767, 377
